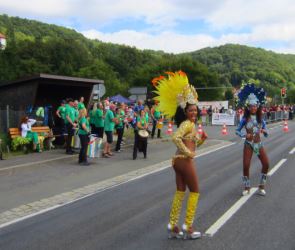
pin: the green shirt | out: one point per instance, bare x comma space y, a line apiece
142, 121
157, 113
70, 111
81, 105
109, 125
82, 121
62, 111
92, 116
98, 118
76, 114
147, 117
120, 119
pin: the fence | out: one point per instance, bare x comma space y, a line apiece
234, 119
276, 116
10, 118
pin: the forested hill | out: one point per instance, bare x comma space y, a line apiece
237, 63
34, 47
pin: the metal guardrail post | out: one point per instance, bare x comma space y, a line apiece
7, 117
1, 153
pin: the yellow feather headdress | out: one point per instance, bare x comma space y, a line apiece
173, 91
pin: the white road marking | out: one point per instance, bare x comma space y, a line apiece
276, 167
292, 151
229, 213
215, 149
106, 188
37, 162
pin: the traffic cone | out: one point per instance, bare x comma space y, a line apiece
285, 129
169, 130
224, 130
200, 129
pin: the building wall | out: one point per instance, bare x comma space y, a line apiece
18, 96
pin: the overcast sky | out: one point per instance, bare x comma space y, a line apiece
169, 25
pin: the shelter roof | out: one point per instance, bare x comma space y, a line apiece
54, 78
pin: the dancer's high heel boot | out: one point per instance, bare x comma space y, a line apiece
246, 182
192, 204
261, 189
172, 227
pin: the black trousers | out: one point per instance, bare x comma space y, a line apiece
84, 140
70, 133
120, 132
139, 145
100, 131
154, 129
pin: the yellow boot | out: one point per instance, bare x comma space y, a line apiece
173, 230
192, 204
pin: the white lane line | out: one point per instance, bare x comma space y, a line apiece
28, 216
292, 151
37, 162
229, 213
276, 167
215, 149
103, 189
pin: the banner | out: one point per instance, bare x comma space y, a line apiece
214, 104
94, 147
223, 118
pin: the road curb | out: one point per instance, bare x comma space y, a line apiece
30, 164
29, 210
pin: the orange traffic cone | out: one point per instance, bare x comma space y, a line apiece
169, 130
200, 129
224, 130
285, 129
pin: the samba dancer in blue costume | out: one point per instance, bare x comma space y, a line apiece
252, 98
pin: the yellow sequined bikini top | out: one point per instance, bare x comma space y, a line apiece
186, 131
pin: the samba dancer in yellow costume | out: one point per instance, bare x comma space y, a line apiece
178, 99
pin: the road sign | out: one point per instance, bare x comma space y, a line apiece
283, 93
102, 90
138, 91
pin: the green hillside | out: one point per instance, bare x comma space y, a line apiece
34, 47
237, 63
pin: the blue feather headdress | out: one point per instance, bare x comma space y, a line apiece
251, 95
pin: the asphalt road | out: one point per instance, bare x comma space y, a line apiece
134, 215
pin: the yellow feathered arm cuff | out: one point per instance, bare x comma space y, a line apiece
184, 129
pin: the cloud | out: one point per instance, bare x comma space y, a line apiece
166, 41
178, 43
164, 13
249, 22
238, 14
52, 8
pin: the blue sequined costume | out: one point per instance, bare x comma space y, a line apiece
253, 127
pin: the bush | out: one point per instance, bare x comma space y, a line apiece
19, 142
5, 140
